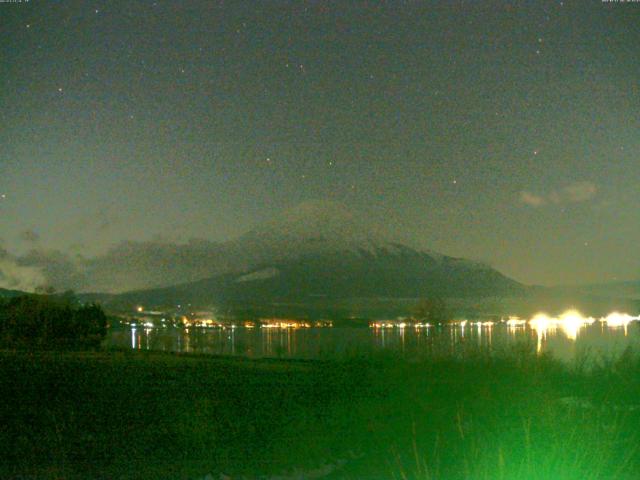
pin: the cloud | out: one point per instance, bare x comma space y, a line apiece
531, 199
59, 270
132, 265
126, 266
29, 236
14, 276
580, 191
101, 219
573, 193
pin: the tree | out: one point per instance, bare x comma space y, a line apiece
51, 322
431, 310
45, 290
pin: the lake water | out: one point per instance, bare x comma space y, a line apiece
596, 340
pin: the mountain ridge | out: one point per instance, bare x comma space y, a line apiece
333, 277
320, 253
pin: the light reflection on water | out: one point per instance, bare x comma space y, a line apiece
566, 342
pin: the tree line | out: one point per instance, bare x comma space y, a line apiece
51, 322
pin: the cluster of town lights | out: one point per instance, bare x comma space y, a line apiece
278, 324
399, 325
285, 324
569, 322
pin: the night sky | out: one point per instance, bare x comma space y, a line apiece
506, 132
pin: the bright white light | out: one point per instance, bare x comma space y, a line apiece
515, 322
617, 319
571, 321
541, 323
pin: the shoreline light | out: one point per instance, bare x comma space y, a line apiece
571, 321
617, 319
515, 322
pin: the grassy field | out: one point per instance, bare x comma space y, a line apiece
152, 415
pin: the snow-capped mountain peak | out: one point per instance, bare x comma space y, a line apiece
311, 227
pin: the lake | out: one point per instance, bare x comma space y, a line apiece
595, 340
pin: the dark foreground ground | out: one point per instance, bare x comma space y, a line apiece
164, 416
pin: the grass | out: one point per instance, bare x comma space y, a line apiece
152, 415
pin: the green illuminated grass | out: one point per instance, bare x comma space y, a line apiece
136, 415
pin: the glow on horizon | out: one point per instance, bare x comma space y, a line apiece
572, 321
541, 323
515, 322
617, 319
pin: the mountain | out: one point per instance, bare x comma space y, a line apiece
319, 254
309, 228
621, 289
4, 293
395, 271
